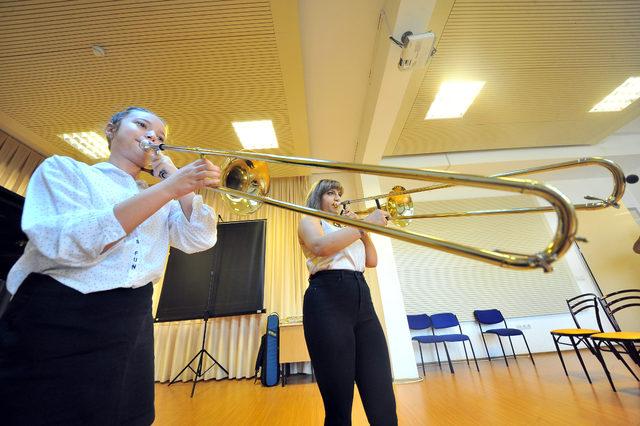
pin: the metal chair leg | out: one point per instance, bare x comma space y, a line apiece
555, 342
596, 345
621, 358
513, 351
585, 340
465, 352
424, 373
437, 354
528, 350
474, 356
504, 354
485, 346
575, 348
632, 351
448, 357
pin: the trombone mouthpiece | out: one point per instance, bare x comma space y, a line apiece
146, 145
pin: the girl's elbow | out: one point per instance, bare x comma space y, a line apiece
317, 249
321, 251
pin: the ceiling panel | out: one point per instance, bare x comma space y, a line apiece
545, 63
198, 64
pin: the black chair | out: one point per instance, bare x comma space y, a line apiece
448, 320
578, 305
494, 316
618, 342
615, 302
423, 322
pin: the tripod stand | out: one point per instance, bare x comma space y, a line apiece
201, 353
198, 371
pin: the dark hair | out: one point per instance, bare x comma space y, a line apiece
120, 115
314, 198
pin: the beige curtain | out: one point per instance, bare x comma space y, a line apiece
17, 163
234, 341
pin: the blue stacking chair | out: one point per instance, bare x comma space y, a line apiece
423, 322
449, 320
494, 316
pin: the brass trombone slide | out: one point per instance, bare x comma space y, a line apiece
561, 242
613, 200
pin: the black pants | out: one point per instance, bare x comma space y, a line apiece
346, 344
68, 358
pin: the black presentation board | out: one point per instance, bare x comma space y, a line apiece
227, 279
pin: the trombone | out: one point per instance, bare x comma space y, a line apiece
400, 204
248, 186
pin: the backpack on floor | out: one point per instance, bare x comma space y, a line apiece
267, 363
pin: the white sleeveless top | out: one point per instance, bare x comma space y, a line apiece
351, 257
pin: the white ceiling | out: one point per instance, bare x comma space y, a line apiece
545, 64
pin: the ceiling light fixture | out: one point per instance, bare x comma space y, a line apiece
621, 97
89, 143
453, 99
258, 134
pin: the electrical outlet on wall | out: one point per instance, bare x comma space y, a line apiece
523, 326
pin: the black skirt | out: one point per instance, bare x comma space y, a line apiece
68, 358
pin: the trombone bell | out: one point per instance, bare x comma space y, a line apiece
248, 176
399, 205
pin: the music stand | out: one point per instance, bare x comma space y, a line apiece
201, 353
225, 280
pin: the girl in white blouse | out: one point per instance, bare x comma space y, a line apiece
343, 334
76, 342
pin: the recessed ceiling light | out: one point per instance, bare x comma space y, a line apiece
621, 97
256, 134
453, 99
89, 143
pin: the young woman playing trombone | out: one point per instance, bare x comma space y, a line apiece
343, 334
76, 342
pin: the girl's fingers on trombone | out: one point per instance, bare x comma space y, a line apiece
350, 214
386, 216
378, 217
208, 167
208, 174
212, 183
204, 163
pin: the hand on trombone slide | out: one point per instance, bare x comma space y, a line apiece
199, 174
192, 177
376, 217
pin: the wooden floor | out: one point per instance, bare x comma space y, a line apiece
520, 394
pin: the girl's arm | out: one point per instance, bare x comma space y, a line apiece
321, 244
371, 255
